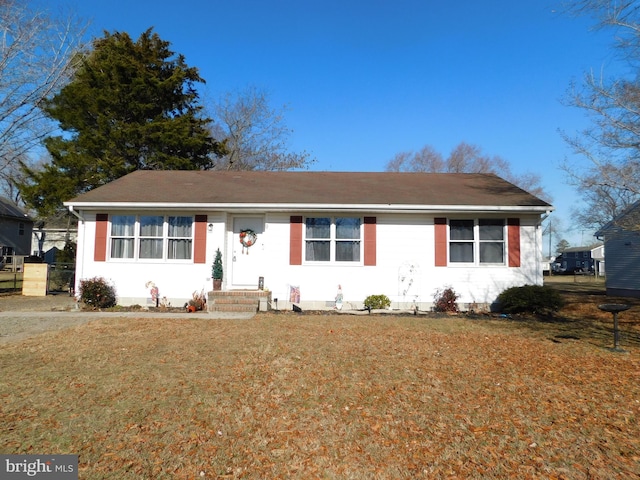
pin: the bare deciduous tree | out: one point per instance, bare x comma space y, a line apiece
254, 133
464, 158
610, 181
552, 227
36, 52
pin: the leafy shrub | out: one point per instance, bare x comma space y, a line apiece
530, 299
445, 300
377, 302
97, 293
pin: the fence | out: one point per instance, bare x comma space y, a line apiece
12, 263
10, 281
60, 279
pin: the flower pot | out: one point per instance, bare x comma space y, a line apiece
217, 284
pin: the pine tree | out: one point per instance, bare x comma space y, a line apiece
130, 106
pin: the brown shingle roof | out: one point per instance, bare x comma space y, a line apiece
299, 188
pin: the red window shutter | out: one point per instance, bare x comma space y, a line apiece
200, 239
440, 242
370, 241
100, 246
513, 235
295, 240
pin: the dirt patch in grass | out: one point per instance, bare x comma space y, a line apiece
325, 396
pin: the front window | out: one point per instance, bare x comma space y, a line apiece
180, 238
461, 238
122, 236
329, 239
151, 237
481, 241
491, 236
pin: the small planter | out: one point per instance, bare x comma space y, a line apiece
197, 303
217, 271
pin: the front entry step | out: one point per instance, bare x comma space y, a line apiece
239, 301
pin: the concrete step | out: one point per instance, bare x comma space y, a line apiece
234, 308
238, 300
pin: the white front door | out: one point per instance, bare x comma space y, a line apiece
247, 251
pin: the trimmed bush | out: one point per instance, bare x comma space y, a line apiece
97, 293
445, 300
377, 302
530, 299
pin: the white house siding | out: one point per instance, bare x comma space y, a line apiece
478, 287
405, 266
404, 246
404, 270
176, 281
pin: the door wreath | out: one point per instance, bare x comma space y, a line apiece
247, 238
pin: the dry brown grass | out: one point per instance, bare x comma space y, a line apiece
582, 318
325, 396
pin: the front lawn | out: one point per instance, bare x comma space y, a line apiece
324, 396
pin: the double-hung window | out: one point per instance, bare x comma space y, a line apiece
123, 236
491, 237
151, 237
333, 239
180, 238
481, 241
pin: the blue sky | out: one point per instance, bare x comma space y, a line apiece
365, 80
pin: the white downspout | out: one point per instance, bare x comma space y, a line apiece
540, 247
79, 248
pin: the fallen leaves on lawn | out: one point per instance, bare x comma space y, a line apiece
323, 397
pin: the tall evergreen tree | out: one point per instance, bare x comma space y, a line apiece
130, 106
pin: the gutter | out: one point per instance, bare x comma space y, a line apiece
75, 213
307, 207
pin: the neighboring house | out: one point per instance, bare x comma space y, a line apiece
547, 265
15, 232
622, 242
303, 234
586, 259
51, 235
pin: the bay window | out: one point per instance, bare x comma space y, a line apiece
151, 237
332, 239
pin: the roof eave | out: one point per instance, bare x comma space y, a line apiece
307, 207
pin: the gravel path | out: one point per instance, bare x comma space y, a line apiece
52, 302
23, 317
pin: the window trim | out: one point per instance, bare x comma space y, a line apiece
477, 241
137, 237
333, 240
